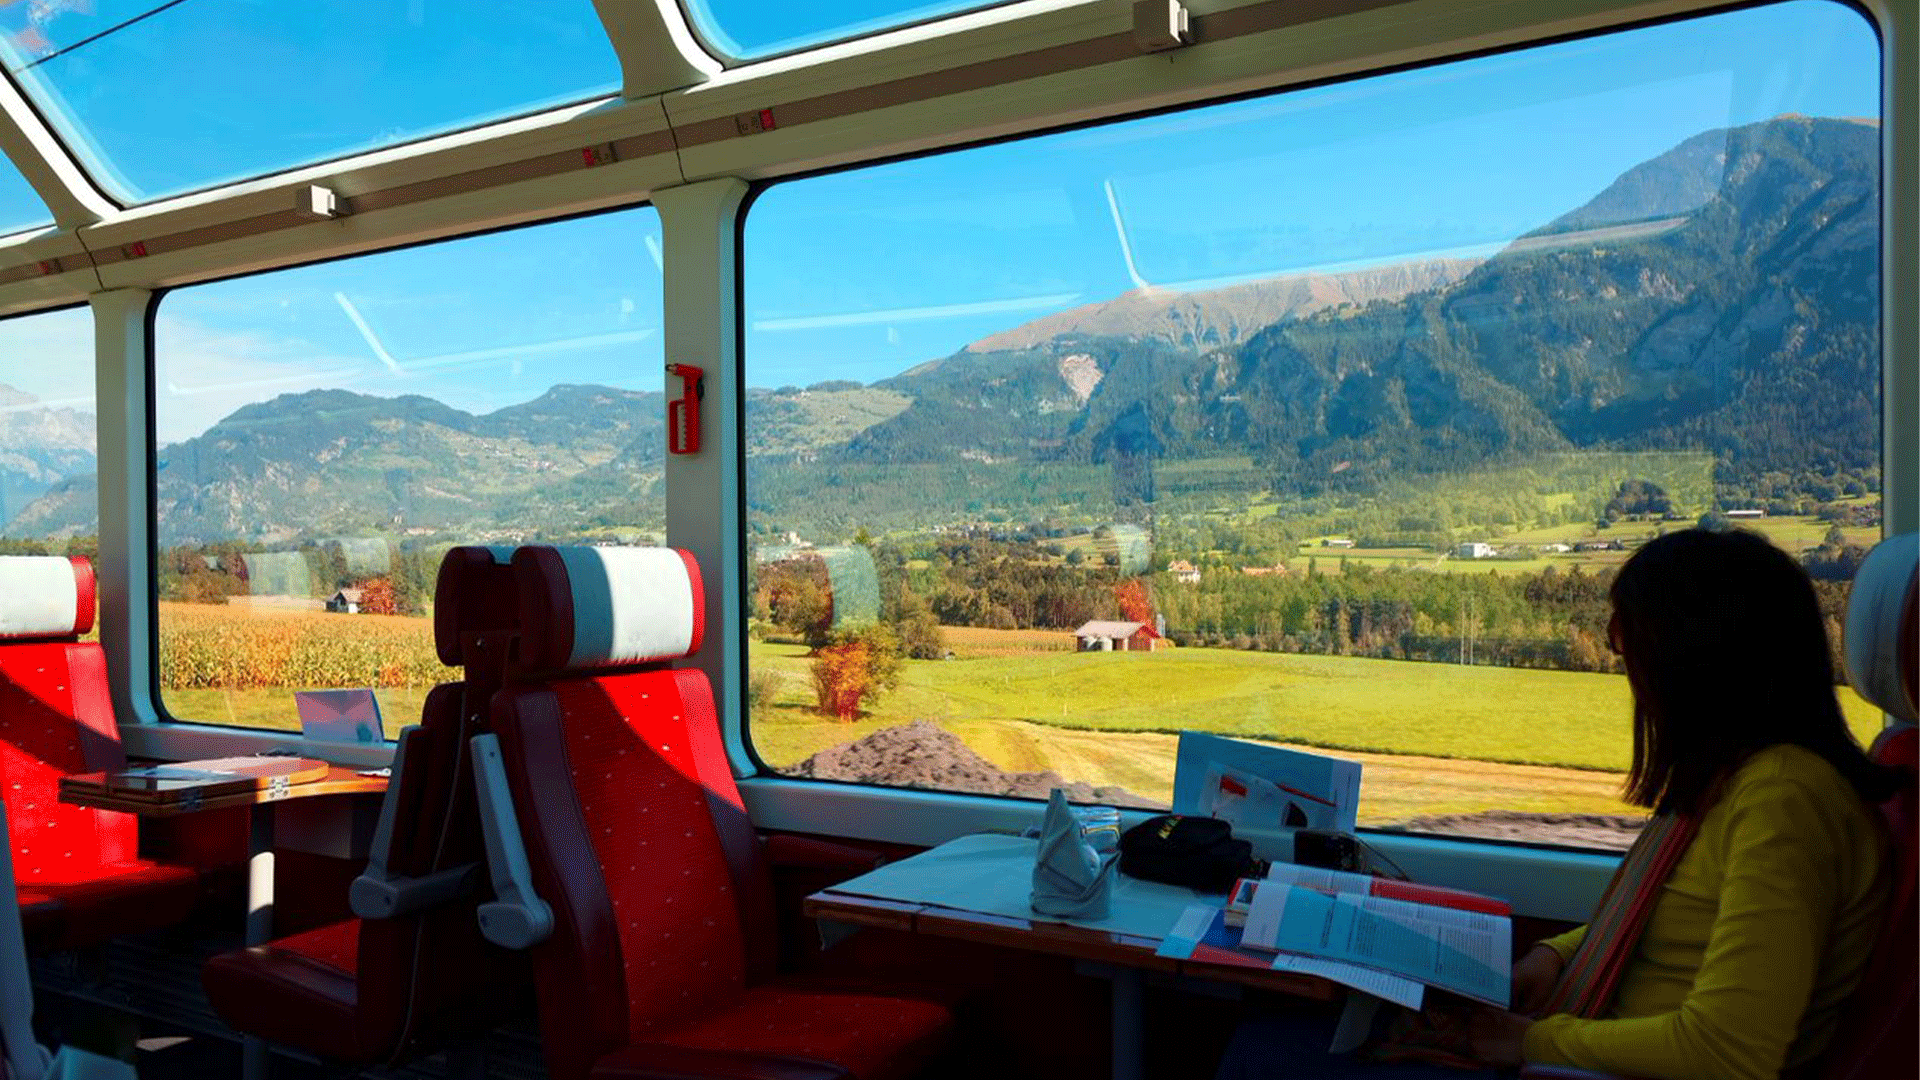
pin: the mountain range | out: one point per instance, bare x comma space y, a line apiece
1721, 295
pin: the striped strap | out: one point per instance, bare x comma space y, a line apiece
1587, 986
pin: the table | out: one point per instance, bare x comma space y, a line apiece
258, 782
992, 872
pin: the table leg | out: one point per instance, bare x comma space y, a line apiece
1129, 1013
254, 1055
260, 875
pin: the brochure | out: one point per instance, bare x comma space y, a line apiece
1458, 949
1257, 786
1203, 934
1340, 881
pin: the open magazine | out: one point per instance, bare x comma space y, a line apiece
1390, 939
1454, 940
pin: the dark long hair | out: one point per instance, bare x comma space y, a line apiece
1727, 655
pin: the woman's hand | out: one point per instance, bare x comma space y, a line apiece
1534, 977
1497, 1036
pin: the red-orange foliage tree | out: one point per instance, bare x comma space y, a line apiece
854, 668
842, 675
377, 597
1136, 603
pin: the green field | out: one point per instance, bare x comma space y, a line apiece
1516, 715
1436, 738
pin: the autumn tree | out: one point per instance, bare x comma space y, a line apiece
1136, 603
377, 597
854, 668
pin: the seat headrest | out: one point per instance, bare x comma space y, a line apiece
1881, 639
474, 593
590, 607
45, 596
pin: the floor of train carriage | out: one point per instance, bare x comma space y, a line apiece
148, 987
1044, 1019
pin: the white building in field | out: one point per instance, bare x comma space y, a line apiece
1474, 550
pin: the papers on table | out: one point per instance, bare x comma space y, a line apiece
171, 772
1463, 951
1256, 786
1202, 934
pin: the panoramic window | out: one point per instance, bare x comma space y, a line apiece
161, 98
47, 442
325, 433
20, 205
1322, 419
753, 29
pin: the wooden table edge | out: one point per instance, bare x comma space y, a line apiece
339, 780
1056, 939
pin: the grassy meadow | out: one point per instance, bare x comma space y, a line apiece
1436, 738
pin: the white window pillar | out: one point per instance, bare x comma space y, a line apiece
125, 567
698, 224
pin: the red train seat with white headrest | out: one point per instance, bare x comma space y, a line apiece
595, 607
1882, 640
79, 877
661, 960
375, 990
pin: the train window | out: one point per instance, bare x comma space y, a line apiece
47, 443
325, 433
20, 205
1320, 418
162, 98
752, 29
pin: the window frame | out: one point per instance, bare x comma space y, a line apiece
730, 60
765, 785
200, 737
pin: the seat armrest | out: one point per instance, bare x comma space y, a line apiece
1563, 1072
788, 852
517, 918
378, 893
391, 896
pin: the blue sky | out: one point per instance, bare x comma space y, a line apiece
865, 273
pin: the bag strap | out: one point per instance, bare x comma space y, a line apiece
1588, 983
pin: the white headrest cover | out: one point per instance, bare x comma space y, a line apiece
40, 597
1874, 630
631, 605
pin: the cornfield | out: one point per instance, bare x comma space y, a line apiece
211, 647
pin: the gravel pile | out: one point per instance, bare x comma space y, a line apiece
925, 755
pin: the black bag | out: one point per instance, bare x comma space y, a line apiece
1198, 852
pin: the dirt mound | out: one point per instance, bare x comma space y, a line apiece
924, 755
1578, 830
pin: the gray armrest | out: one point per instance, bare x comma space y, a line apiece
386, 897
517, 918
378, 893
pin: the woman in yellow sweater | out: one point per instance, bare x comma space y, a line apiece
1764, 924
1747, 910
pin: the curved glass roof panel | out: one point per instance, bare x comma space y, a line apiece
158, 97
20, 205
756, 29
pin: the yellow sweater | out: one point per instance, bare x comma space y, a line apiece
1764, 928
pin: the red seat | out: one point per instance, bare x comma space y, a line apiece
1878, 1037
374, 990
661, 959
79, 876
